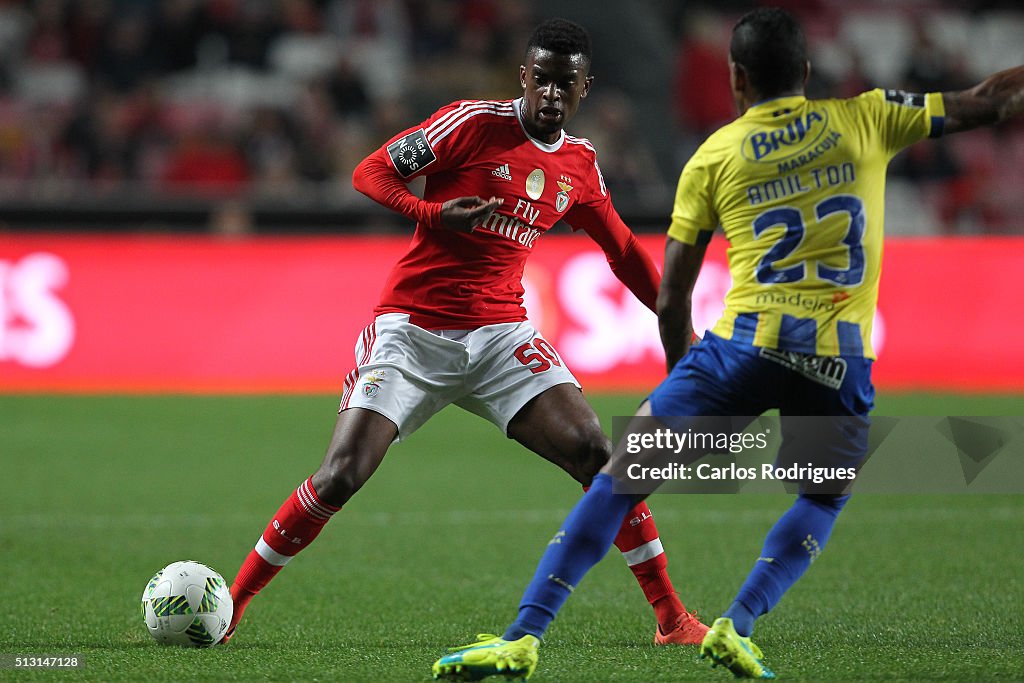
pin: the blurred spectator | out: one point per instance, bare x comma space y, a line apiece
854, 81
346, 90
125, 57
435, 28
701, 93
929, 68
178, 33
207, 160
376, 34
231, 219
86, 24
317, 145
250, 30
270, 150
48, 40
15, 23
99, 141
630, 171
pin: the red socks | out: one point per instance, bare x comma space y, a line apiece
293, 527
302, 516
639, 544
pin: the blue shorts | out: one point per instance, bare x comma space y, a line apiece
728, 378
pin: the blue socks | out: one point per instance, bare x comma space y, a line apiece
588, 532
585, 537
793, 543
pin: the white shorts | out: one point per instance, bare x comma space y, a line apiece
407, 373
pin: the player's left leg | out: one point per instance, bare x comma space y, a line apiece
582, 541
792, 544
838, 438
560, 426
521, 385
584, 538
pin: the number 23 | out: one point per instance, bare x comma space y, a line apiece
793, 221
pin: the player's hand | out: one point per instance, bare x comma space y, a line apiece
462, 214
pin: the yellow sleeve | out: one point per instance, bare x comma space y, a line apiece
904, 118
693, 214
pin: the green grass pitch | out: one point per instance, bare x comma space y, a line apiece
99, 492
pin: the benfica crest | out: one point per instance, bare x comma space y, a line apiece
561, 201
562, 198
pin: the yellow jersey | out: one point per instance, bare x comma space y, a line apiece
798, 187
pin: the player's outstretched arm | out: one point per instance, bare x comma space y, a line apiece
682, 265
627, 258
998, 98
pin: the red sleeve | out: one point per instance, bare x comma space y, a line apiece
377, 178
437, 144
628, 260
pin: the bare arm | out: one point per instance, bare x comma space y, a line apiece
996, 99
682, 264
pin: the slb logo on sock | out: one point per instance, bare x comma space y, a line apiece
284, 534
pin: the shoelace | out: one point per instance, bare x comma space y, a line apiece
685, 617
690, 616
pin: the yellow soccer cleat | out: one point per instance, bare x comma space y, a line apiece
489, 656
735, 652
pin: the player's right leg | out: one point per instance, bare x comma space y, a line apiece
403, 375
561, 426
361, 439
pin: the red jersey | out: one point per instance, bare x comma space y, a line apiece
455, 280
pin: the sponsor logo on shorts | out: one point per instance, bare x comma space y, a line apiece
826, 370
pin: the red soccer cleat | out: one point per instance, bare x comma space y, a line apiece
688, 631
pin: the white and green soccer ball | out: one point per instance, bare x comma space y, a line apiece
187, 603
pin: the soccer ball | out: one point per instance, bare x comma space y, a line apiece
188, 604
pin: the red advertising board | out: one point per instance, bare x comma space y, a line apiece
198, 314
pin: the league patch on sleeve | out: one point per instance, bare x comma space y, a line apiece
907, 99
411, 153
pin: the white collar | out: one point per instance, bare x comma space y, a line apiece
543, 146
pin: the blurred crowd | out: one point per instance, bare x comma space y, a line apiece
235, 98
965, 184
224, 96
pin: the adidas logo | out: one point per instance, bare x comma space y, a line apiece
502, 172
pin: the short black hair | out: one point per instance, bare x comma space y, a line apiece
771, 47
561, 36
